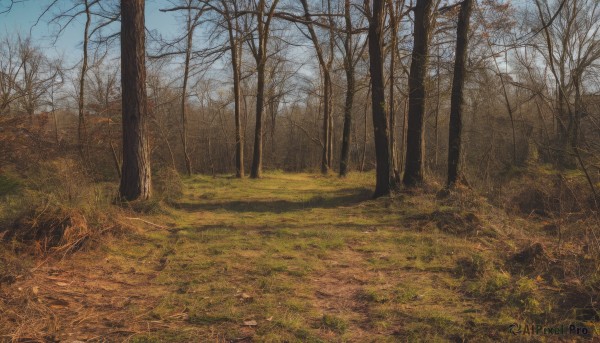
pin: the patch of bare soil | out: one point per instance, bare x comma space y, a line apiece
337, 288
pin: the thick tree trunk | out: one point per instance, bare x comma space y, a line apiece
380, 121
413, 173
350, 89
136, 176
458, 83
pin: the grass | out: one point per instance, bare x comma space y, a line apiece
297, 258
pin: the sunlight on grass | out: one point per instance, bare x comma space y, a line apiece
308, 258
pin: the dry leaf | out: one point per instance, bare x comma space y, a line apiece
35, 290
270, 318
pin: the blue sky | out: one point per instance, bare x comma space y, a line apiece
23, 16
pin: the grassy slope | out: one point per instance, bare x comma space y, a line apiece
307, 258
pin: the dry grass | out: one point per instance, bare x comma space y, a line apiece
301, 258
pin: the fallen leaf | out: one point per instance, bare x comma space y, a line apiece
270, 318
250, 323
62, 284
35, 290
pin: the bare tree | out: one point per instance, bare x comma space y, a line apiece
458, 83
258, 45
325, 62
413, 173
230, 15
349, 67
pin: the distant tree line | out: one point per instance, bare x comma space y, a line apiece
459, 91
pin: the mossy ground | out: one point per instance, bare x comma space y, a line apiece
295, 258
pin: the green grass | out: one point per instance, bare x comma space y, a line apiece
313, 259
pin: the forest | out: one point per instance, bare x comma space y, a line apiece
299, 170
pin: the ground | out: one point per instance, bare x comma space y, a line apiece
288, 258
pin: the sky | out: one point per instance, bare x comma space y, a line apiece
23, 16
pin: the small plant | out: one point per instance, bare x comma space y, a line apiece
474, 266
524, 295
333, 323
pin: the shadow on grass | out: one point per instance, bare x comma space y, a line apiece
341, 198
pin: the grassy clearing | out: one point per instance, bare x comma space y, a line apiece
297, 258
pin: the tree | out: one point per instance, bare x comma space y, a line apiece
35, 75
10, 68
258, 46
325, 63
349, 68
81, 129
380, 121
413, 172
135, 175
571, 48
395, 18
457, 98
191, 24
235, 44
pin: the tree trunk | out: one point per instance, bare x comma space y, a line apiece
365, 132
394, 173
260, 55
256, 171
413, 173
239, 137
326, 159
236, 57
350, 81
186, 74
380, 121
136, 175
457, 100
81, 129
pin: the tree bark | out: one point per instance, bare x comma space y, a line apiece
394, 173
260, 55
350, 90
458, 83
413, 173
380, 121
186, 74
136, 175
81, 129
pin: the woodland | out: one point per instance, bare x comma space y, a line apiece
301, 171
